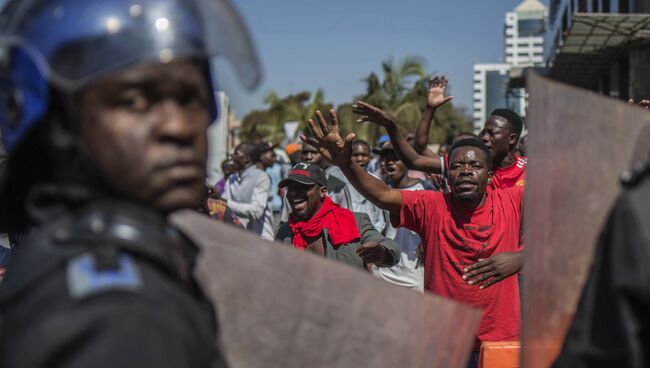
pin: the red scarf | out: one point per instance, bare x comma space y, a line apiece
339, 222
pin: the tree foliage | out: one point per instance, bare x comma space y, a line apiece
401, 90
268, 124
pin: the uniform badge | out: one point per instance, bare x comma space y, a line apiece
85, 279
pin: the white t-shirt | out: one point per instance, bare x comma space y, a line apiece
406, 272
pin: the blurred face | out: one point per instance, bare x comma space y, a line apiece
311, 155
468, 174
361, 155
395, 169
267, 158
228, 168
240, 159
497, 136
145, 129
305, 200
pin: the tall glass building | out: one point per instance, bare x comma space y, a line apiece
524, 34
524, 29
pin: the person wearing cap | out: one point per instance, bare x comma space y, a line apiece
104, 112
248, 192
293, 150
319, 225
337, 187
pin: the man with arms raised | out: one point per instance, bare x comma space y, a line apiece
457, 229
500, 134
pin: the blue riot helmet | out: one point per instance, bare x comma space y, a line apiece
64, 44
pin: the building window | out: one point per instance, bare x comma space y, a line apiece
531, 27
606, 8
624, 6
582, 6
595, 8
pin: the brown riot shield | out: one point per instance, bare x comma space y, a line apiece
279, 307
579, 143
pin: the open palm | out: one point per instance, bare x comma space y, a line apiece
328, 140
436, 95
373, 114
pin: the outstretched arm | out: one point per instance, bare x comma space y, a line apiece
338, 151
406, 153
435, 99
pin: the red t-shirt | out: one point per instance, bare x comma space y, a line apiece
511, 176
454, 238
507, 177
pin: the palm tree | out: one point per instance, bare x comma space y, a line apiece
269, 124
394, 94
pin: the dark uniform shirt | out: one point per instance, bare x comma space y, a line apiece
611, 327
99, 286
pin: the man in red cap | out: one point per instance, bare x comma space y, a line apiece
319, 225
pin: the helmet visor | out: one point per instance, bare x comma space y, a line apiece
74, 41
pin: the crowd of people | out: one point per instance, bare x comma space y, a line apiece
447, 222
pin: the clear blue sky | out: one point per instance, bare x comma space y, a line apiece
333, 45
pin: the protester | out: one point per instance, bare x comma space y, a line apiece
409, 271
294, 151
374, 167
471, 237
228, 168
319, 225
248, 192
361, 155
500, 133
106, 134
277, 172
611, 326
337, 185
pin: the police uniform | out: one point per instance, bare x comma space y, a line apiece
611, 327
97, 280
102, 285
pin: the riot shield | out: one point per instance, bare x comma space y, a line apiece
279, 307
579, 143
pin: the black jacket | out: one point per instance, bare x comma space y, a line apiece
98, 285
611, 327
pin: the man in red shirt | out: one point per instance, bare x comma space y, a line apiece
457, 229
500, 133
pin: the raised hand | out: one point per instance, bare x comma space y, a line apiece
373, 114
328, 141
436, 95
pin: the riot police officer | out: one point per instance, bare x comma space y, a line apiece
611, 327
104, 107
